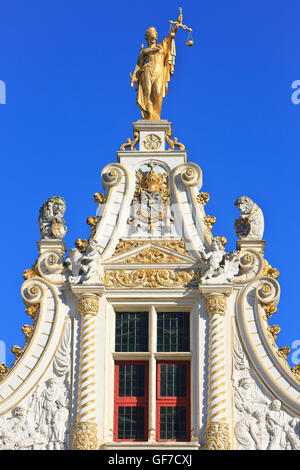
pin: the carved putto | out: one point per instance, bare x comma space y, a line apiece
51, 223
218, 264
83, 264
250, 224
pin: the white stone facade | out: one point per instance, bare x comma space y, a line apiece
151, 249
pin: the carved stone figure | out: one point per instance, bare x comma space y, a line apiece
58, 425
90, 263
231, 265
293, 441
247, 397
258, 430
218, 264
51, 223
213, 260
250, 224
48, 399
276, 421
73, 265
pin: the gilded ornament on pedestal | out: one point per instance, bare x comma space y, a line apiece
217, 436
131, 143
152, 142
173, 143
85, 436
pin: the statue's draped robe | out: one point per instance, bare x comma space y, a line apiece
154, 70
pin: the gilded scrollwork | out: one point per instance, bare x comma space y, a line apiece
131, 143
173, 143
150, 278
126, 245
152, 256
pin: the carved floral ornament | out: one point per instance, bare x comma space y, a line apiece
88, 305
150, 278
216, 304
152, 142
152, 256
217, 436
85, 436
127, 245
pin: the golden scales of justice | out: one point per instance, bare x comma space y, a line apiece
178, 23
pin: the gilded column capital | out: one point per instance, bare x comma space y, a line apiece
88, 304
216, 304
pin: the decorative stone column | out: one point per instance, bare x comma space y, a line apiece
217, 435
86, 433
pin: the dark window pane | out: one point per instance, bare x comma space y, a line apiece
173, 422
131, 422
131, 380
173, 332
173, 380
131, 333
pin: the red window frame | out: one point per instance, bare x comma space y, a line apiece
174, 401
130, 401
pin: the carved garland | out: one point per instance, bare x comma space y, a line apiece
150, 278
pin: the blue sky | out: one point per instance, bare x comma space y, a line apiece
69, 107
